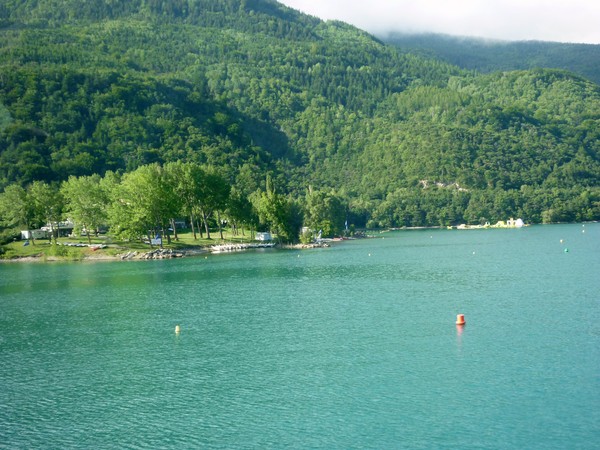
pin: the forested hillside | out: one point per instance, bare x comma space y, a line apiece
487, 55
254, 89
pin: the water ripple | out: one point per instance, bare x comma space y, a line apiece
348, 347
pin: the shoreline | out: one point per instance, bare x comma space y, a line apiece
146, 255
194, 251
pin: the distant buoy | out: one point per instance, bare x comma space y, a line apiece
177, 329
460, 319
561, 241
566, 250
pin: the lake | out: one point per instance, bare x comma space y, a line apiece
352, 346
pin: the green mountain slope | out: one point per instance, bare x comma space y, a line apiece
491, 56
257, 88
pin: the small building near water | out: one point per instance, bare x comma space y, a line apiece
34, 234
264, 236
61, 229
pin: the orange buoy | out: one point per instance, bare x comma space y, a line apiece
460, 319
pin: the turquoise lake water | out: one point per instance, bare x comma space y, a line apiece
352, 346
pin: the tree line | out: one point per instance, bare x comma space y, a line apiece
150, 200
153, 199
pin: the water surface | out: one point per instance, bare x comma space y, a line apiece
352, 346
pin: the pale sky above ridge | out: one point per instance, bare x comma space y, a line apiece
546, 20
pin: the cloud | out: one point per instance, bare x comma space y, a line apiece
552, 20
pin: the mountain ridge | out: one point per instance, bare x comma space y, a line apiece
489, 55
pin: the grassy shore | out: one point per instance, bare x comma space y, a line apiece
107, 247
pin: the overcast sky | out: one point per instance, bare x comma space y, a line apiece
548, 20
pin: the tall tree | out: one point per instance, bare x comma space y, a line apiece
17, 209
143, 203
48, 205
86, 202
281, 215
186, 180
240, 212
212, 195
325, 212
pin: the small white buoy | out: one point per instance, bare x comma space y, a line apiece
177, 329
561, 241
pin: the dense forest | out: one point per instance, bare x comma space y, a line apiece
328, 113
489, 55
